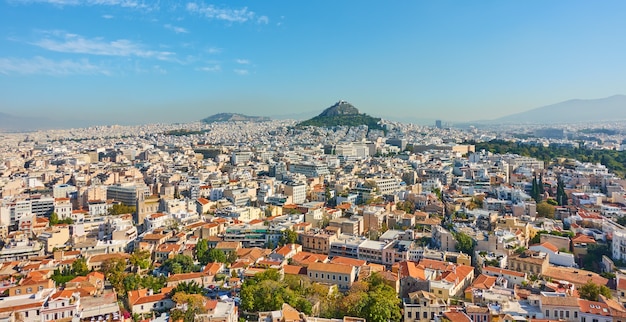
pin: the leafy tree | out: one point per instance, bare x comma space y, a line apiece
216, 255
79, 267
62, 276
54, 219
202, 251
552, 202
141, 259
288, 237
113, 269
545, 209
591, 291
464, 243
191, 304
179, 264
120, 209
189, 288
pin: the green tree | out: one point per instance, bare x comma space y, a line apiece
288, 237
179, 264
202, 251
189, 288
464, 243
79, 267
141, 259
113, 269
545, 209
591, 291
120, 209
216, 255
54, 219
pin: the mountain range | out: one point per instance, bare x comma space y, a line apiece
234, 117
612, 108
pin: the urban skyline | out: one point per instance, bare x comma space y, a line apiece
115, 60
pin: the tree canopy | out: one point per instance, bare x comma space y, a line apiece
591, 291
464, 243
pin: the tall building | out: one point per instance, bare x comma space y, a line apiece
438, 124
127, 193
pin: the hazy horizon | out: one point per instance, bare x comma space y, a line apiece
109, 61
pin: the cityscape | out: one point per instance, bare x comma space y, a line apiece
327, 161
237, 218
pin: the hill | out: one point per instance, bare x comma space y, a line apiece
611, 108
343, 113
234, 117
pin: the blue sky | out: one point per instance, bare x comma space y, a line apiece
134, 61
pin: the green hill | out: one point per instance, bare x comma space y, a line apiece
343, 113
234, 117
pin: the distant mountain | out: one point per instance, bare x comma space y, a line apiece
611, 108
234, 117
342, 113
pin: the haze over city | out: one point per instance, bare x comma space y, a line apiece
124, 61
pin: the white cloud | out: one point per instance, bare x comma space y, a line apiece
241, 71
242, 61
263, 20
120, 3
225, 14
210, 69
39, 65
107, 16
176, 29
71, 43
214, 50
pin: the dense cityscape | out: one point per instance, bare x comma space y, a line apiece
269, 220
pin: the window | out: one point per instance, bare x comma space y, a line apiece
18, 291
425, 315
547, 313
40, 288
567, 314
408, 314
29, 290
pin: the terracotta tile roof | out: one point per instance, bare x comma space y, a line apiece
569, 301
582, 238
348, 261
185, 276
330, 268
549, 246
484, 282
294, 270
502, 271
15, 308
574, 275
457, 316
141, 296
168, 248
592, 307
